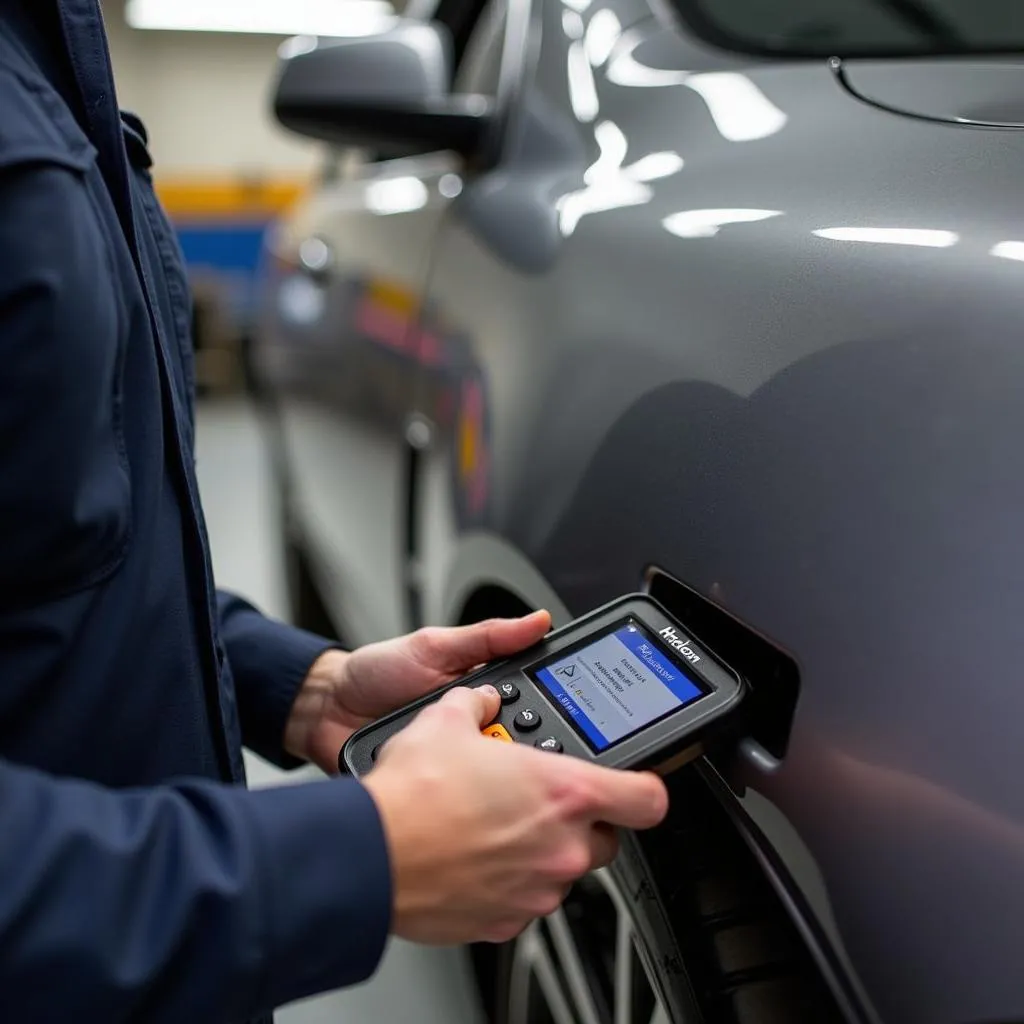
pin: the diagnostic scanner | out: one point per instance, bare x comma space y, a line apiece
626, 686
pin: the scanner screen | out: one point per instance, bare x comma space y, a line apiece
612, 686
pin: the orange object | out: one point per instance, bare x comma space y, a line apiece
497, 732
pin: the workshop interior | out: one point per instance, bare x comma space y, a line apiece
696, 323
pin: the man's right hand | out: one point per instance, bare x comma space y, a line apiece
485, 836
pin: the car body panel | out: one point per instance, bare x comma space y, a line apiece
818, 431
339, 339
725, 318
961, 92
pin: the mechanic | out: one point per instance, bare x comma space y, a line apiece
139, 879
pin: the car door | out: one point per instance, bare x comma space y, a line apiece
509, 294
347, 269
726, 312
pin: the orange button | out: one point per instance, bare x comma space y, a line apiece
497, 732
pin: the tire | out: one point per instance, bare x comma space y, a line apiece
307, 609
683, 928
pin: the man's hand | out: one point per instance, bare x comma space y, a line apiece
346, 691
485, 836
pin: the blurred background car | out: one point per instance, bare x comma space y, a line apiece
721, 300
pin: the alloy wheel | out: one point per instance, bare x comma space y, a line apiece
589, 964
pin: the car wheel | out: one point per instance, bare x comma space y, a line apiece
683, 928
601, 958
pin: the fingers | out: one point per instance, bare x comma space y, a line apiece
628, 799
604, 846
459, 648
476, 705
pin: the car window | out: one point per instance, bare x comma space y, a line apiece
859, 27
481, 64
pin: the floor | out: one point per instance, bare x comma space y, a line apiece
414, 983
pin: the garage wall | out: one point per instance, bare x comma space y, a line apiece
204, 97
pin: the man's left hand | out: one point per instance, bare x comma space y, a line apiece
345, 691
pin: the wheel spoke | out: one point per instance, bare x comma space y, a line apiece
547, 978
519, 977
572, 966
625, 937
623, 970
549, 962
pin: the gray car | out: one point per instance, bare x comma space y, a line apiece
722, 300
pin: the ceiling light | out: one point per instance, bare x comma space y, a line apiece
273, 17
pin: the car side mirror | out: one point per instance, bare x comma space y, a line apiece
389, 92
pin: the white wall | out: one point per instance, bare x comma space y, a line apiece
205, 100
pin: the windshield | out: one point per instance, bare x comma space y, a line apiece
859, 27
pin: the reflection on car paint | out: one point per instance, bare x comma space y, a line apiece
707, 223
738, 107
609, 185
396, 195
473, 454
928, 238
1008, 250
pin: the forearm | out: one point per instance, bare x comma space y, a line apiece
269, 661
199, 902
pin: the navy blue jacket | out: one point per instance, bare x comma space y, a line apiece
139, 879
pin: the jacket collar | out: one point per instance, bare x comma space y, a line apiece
86, 45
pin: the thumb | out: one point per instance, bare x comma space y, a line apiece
476, 706
455, 649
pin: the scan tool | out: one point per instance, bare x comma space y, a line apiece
626, 686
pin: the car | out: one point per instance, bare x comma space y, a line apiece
721, 301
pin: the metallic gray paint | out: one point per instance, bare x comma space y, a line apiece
733, 321
409, 63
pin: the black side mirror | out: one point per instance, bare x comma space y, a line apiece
389, 92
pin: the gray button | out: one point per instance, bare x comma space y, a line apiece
550, 743
527, 720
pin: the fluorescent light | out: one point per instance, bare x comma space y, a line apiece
892, 236
273, 17
1008, 250
707, 223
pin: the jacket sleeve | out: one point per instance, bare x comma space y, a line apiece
196, 902
269, 661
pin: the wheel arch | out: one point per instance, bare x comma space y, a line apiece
489, 576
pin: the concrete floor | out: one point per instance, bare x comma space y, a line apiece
414, 983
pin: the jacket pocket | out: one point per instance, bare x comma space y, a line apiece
65, 491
